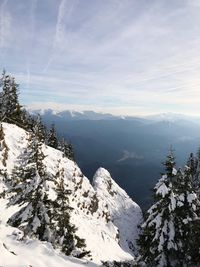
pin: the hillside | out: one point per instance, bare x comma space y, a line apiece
104, 214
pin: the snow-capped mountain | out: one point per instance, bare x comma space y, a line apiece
103, 213
69, 115
72, 115
172, 117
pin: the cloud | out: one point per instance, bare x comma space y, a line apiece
139, 56
5, 22
129, 155
64, 11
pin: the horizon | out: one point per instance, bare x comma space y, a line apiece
135, 58
41, 109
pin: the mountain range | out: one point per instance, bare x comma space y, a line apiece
131, 148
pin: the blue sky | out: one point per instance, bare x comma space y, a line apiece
125, 57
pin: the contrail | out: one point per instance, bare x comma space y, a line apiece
32, 32
64, 11
4, 24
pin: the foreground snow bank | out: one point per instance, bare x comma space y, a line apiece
32, 253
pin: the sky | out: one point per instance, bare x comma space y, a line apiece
127, 57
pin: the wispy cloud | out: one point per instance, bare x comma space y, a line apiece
64, 12
131, 57
130, 155
5, 20
32, 35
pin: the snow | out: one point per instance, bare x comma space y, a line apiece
126, 215
104, 214
162, 190
174, 171
173, 201
191, 197
15, 253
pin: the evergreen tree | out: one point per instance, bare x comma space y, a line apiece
196, 174
65, 232
27, 121
29, 188
39, 129
40, 216
52, 139
187, 221
10, 109
67, 149
3, 147
168, 233
156, 242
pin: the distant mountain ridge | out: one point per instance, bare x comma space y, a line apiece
93, 115
132, 148
75, 115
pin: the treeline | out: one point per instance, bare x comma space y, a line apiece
13, 112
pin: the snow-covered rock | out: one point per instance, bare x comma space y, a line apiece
103, 213
124, 212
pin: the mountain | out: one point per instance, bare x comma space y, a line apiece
103, 213
133, 149
172, 117
70, 115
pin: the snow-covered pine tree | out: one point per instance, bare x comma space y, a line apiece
3, 147
10, 109
64, 236
169, 235
67, 149
187, 220
70, 152
52, 139
196, 174
156, 242
192, 163
29, 189
39, 129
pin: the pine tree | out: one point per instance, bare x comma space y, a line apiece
10, 109
187, 220
3, 147
29, 188
39, 129
65, 232
168, 233
196, 174
156, 241
37, 217
67, 149
52, 139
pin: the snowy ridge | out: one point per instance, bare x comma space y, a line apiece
74, 114
104, 214
126, 214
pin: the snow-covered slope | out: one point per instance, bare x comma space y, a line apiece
104, 215
125, 214
15, 253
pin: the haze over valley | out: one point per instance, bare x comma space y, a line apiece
131, 148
